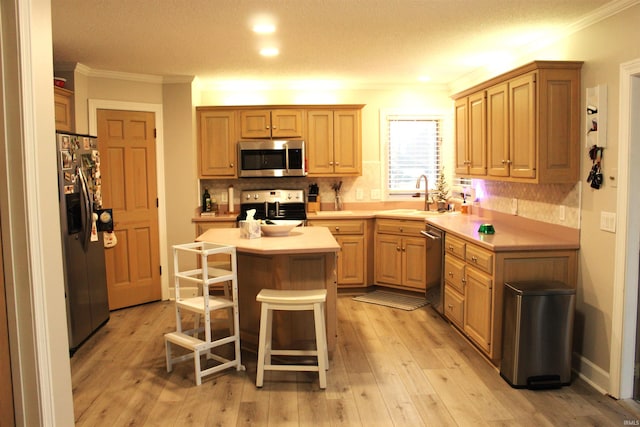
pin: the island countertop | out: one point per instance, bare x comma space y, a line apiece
301, 240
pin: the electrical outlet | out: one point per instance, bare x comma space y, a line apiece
608, 221
224, 197
561, 213
375, 194
514, 206
359, 194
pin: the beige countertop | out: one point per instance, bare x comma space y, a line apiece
300, 240
513, 233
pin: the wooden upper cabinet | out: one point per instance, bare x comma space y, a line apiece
477, 142
462, 135
63, 100
532, 124
522, 127
283, 123
333, 136
471, 146
334, 142
216, 142
498, 130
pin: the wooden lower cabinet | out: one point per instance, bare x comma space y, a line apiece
478, 308
203, 226
400, 254
354, 237
454, 305
474, 284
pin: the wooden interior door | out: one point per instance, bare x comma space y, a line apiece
126, 140
6, 386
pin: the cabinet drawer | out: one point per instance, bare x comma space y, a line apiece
453, 306
338, 226
481, 258
454, 246
402, 227
454, 272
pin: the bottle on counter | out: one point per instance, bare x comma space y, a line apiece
465, 208
206, 201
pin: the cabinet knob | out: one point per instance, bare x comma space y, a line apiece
337, 228
337, 163
331, 163
398, 248
450, 307
230, 165
451, 274
404, 249
474, 259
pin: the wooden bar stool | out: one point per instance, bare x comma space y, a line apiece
292, 300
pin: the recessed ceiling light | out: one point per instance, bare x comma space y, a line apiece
424, 79
269, 51
264, 28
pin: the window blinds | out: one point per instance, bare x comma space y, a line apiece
413, 149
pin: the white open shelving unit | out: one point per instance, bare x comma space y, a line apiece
199, 340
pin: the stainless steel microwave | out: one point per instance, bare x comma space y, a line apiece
271, 158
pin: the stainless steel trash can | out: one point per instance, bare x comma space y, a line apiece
537, 334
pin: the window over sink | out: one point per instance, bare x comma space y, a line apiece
411, 145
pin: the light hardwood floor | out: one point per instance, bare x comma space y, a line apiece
390, 368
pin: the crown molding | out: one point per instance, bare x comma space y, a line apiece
119, 75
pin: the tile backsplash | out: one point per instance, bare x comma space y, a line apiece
551, 203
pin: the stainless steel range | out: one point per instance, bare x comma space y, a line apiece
273, 204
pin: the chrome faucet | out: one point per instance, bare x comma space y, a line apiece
426, 191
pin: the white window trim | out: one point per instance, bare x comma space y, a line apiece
384, 152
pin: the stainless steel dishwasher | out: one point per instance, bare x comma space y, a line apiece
435, 260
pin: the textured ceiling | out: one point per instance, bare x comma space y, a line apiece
350, 41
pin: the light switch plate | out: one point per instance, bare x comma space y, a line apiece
514, 206
375, 194
359, 194
608, 221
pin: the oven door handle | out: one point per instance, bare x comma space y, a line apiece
430, 235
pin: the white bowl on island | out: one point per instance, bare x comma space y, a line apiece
278, 227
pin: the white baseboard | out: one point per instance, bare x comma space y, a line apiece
592, 374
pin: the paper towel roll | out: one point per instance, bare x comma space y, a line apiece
230, 198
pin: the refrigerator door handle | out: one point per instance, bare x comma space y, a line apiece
87, 208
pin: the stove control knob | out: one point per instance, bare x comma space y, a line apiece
256, 196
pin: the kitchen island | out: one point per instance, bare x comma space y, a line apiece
305, 259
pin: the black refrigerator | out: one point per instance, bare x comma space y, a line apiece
83, 221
